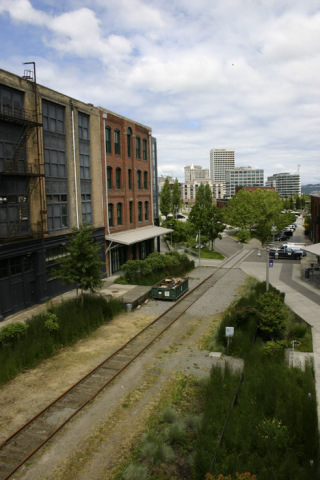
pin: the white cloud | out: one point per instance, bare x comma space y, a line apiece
202, 74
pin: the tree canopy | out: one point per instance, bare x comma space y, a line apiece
259, 211
204, 216
82, 265
165, 199
176, 197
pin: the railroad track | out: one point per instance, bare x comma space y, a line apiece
28, 439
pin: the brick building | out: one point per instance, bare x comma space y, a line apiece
65, 163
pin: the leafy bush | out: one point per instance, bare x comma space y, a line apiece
51, 322
12, 332
155, 267
243, 236
273, 314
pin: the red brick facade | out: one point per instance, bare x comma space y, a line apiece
127, 176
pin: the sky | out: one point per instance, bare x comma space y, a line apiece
203, 74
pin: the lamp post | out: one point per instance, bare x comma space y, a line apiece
267, 268
171, 225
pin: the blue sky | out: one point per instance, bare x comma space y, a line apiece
202, 74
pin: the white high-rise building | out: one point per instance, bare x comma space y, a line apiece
221, 159
243, 177
286, 184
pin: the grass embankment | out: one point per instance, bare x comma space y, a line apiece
44, 334
268, 429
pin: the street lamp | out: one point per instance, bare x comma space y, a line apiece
267, 268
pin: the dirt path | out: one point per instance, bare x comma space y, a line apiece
99, 437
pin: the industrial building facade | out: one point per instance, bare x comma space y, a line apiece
63, 164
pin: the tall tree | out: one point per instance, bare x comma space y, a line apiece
204, 216
176, 197
165, 198
82, 265
257, 211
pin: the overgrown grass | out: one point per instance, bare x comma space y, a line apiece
74, 319
272, 428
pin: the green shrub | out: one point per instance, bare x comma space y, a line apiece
51, 322
12, 332
243, 236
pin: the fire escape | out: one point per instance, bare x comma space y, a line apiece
13, 168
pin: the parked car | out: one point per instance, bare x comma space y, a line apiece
286, 252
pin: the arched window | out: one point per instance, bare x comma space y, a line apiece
145, 179
139, 179
118, 177
138, 148
146, 210
129, 133
139, 211
110, 214
119, 213
117, 142
109, 178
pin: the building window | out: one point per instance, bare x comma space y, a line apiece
138, 148
146, 210
139, 179
118, 177
83, 126
131, 212
139, 211
129, 179
117, 142
145, 179
84, 161
57, 206
86, 208
119, 213
129, 133
109, 178
108, 140
144, 149
110, 214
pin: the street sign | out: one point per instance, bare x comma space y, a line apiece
229, 331
270, 263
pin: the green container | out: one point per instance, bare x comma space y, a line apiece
170, 288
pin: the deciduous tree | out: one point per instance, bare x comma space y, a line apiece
165, 199
82, 265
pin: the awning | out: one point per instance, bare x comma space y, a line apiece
129, 237
314, 249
